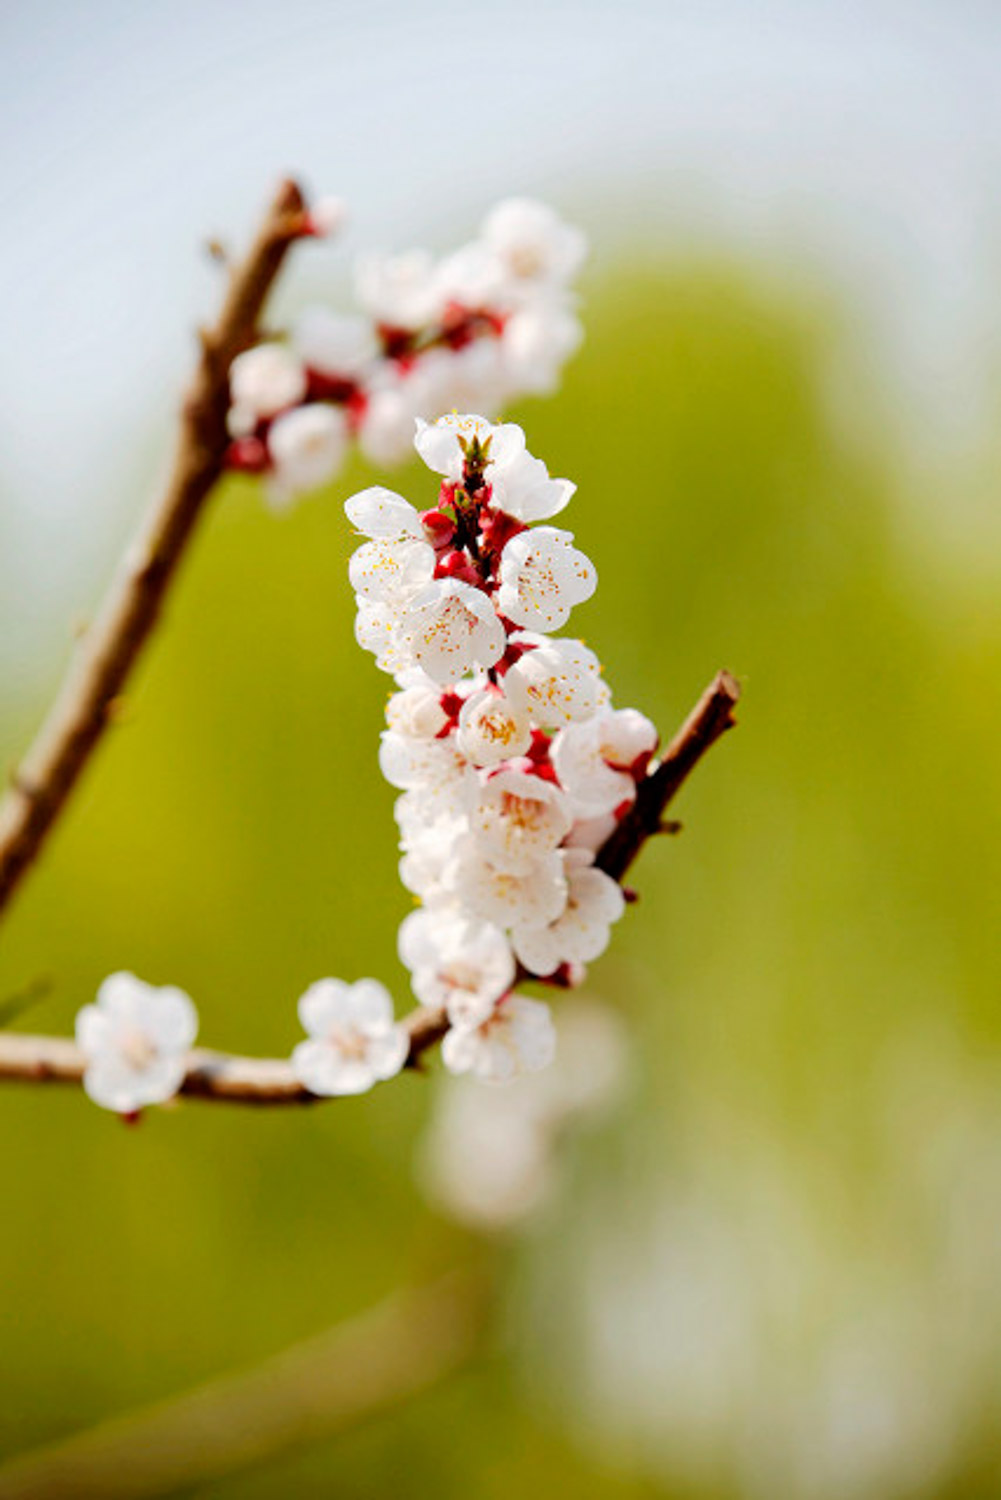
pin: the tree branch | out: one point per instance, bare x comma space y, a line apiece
711, 717
109, 649
250, 1080
337, 1380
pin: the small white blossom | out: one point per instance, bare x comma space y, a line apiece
266, 380
519, 819
593, 759
378, 512
307, 447
582, 931
338, 347
353, 1041
494, 724
542, 577
438, 443
399, 291
561, 679
452, 627
463, 965
534, 243
536, 343
136, 1040
501, 896
518, 1037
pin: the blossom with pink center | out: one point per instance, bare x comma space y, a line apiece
533, 242
504, 897
542, 576
494, 725
452, 627
463, 965
135, 1040
593, 760
353, 1040
561, 679
517, 1037
519, 819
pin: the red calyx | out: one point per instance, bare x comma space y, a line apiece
497, 528
638, 768
455, 564
247, 454
438, 528
323, 387
397, 343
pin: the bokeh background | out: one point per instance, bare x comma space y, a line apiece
772, 1269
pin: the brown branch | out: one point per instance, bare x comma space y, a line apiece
354, 1372
260, 1080
711, 717
109, 648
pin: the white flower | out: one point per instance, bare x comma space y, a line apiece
378, 512
399, 291
438, 443
581, 932
474, 276
536, 343
561, 679
353, 1041
391, 569
265, 380
494, 725
542, 577
462, 964
416, 713
379, 629
135, 1039
593, 760
518, 1037
427, 765
523, 489
307, 447
534, 243
451, 627
501, 896
338, 347
519, 819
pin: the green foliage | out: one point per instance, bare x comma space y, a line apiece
837, 879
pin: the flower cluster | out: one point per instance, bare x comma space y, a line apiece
492, 321
512, 764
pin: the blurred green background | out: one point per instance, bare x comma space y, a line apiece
773, 1271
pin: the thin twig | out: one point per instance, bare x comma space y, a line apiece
259, 1080
711, 717
348, 1375
108, 650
